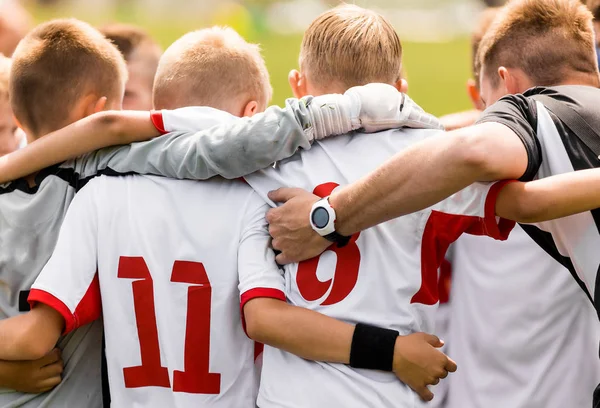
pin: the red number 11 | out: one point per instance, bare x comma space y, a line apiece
195, 377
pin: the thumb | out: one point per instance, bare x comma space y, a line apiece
434, 340
282, 195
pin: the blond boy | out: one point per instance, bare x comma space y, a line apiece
142, 54
62, 71
206, 219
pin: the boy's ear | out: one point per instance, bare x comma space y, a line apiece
402, 86
298, 84
475, 95
250, 109
100, 104
510, 81
18, 123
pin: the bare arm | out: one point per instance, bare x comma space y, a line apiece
314, 336
549, 198
428, 172
412, 180
32, 335
303, 332
94, 132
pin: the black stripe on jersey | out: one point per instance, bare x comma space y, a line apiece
105, 172
581, 157
546, 242
65, 173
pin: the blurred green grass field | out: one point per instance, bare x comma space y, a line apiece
436, 72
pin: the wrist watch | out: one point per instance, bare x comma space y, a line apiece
322, 220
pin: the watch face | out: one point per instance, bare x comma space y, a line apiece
320, 217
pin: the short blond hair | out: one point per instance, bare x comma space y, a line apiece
57, 64
350, 46
5, 66
212, 67
546, 39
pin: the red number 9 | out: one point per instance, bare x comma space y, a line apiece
346, 268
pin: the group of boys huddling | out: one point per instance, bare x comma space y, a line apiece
183, 273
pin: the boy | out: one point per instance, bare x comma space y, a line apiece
425, 298
141, 54
525, 133
212, 232
543, 308
10, 139
62, 71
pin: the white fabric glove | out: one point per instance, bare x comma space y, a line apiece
382, 107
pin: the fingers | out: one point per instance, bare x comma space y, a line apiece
49, 383
424, 393
451, 365
282, 259
51, 358
434, 340
52, 370
281, 195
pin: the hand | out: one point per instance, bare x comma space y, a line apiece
382, 107
290, 227
32, 376
418, 363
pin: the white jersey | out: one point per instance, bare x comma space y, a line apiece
386, 276
172, 258
552, 148
521, 329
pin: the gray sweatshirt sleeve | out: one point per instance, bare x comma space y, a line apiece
233, 148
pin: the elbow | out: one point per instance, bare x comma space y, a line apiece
254, 326
521, 210
112, 122
32, 346
259, 318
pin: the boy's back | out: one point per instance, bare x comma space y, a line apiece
386, 277
50, 87
30, 220
167, 255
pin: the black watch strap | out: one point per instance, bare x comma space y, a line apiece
339, 239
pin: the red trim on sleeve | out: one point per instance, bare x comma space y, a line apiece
156, 117
441, 230
88, 309
496, 229
40, 296
258, 293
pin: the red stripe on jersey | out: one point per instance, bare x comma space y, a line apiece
40, 296
496, 229
88, 309
157, 120
258, 293
445, 281
443, 229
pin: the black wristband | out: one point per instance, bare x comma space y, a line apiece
373, 347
